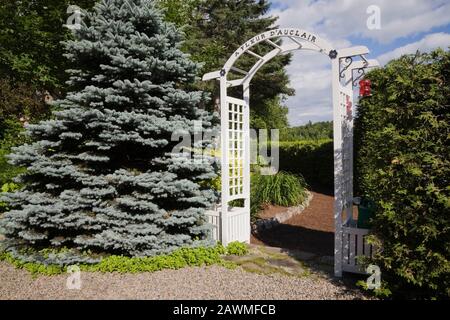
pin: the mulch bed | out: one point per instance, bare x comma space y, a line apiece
310, 231
270, 211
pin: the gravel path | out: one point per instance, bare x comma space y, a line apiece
190, 283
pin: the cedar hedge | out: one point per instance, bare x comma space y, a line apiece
403, 164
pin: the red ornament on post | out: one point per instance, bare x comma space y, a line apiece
364, 88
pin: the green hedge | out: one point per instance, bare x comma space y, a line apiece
311, 159
403, 164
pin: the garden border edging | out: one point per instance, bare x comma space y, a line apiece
266, 224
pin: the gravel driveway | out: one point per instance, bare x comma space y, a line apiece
190, 283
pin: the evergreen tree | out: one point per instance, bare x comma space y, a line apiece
31, 36
101, 175
310, 131
215, 29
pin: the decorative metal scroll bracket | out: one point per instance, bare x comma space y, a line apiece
348, 61
361, 73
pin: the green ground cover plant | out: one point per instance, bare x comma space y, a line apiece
181, 258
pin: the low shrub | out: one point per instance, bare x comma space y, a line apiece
184, 257
237, 248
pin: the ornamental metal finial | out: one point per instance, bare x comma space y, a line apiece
333, 54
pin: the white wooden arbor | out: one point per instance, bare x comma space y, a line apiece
347, 67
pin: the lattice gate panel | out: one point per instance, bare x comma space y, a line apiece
236, 145
235, 218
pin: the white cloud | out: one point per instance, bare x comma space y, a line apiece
336, 21
310, 75
428, 43
339, 19
406, 18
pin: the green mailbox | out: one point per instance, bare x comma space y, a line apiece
366, 211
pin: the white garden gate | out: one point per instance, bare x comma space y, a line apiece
348, 65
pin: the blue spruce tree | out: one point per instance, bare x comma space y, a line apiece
101, 175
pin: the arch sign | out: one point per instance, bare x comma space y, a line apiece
347, 66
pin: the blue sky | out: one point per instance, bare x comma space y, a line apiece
406, 26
